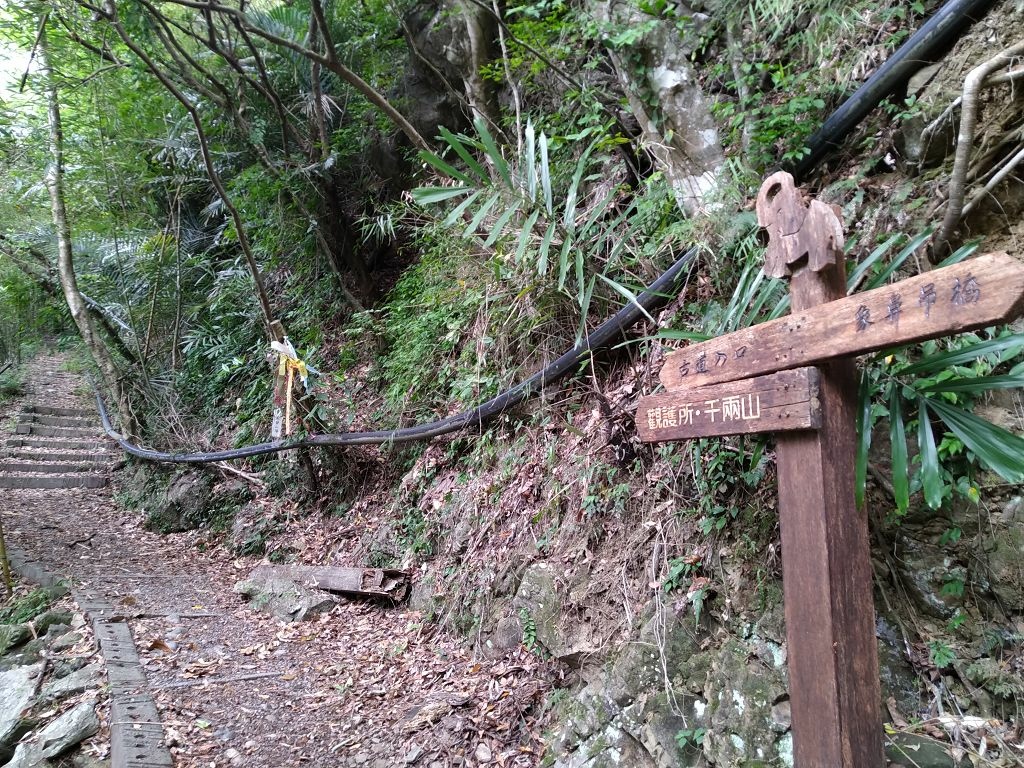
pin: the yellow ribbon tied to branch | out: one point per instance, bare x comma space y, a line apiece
288, 365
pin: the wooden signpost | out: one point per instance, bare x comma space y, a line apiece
750, 381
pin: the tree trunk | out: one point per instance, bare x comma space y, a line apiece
481, 31
65, 262
680, 133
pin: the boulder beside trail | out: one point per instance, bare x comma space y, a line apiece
18, 686
13, 635
72, 727
284, 598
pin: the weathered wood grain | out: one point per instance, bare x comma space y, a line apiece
826, 569
774, 403
984, 291
811, 233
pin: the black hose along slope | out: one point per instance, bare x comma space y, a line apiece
925, 45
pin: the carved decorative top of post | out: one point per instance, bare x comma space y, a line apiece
797, 231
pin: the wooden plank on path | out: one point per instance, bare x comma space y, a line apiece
777, 402
985, 291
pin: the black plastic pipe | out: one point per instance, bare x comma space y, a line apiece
937, 34
923, 47
659, 293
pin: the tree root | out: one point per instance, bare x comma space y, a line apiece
968, 120
932, 127
1012, 163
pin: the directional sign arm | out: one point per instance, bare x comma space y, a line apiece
778, 402
988, 290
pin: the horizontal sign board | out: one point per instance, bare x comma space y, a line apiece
988, 290
778, 402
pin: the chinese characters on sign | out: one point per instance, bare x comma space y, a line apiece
702, 364
732, 408
783, 401
962, 293
961, 297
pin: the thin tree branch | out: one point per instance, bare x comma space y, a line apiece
183, 61
103, 53
273, 94
964, 143
330, 61
110, 10
32, 54
318, 95
1008, 168
65, 261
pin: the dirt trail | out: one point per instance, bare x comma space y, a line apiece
363, 685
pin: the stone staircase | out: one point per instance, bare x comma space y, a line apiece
56, 448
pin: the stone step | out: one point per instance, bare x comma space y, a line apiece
49, 410
43, 431
80, 422
56, 445
81, 457
26, 480
47, 467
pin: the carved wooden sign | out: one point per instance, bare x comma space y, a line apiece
984, 291
778, 402
826, 557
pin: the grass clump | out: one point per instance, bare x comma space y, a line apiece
426, 327
11, 386
28, 606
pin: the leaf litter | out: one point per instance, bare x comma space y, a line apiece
362, 685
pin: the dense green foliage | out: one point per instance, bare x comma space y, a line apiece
522, 227
519, 233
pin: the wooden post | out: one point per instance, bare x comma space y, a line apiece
751, 381
826, 559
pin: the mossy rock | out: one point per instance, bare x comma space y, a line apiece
284, 598
185, 505
13, 635
921, 752
23, 655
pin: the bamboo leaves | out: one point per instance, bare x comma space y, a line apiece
934, 392
931, 473
897, 434
525, 204
1001, 450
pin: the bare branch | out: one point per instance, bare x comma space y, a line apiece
330, 61
965, 140
211, 170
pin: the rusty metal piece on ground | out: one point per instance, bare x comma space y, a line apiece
388, 583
